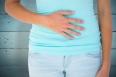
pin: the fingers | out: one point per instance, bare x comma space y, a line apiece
75, 27
72, 32
66, 35
70, 19
65, 28
74, 20
65, 31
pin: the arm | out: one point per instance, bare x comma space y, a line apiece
17, 11
105, 24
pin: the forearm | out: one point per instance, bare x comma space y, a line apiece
17, 11
105, 21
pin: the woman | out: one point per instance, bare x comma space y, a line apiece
65, 37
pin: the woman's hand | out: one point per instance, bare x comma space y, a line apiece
59, 23
103, 72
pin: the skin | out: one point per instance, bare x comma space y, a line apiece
105, 24
50, 21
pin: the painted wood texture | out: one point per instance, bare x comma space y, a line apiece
14, 41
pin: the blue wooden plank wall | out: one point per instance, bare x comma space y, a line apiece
14, 42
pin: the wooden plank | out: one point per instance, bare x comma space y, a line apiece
114, 40
113, 6
20, 40
114, 22
112, 72
113, 57
13, 57
14, 39
2, 10
9, 23
14, 71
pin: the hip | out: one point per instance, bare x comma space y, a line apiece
78, 65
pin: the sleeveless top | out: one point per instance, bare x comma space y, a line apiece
44, 40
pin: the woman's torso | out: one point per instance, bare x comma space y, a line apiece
45, 38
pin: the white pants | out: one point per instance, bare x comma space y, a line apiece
44, 65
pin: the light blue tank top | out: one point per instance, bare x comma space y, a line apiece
44, 40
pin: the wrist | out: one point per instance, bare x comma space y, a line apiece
39, 19
106, 66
